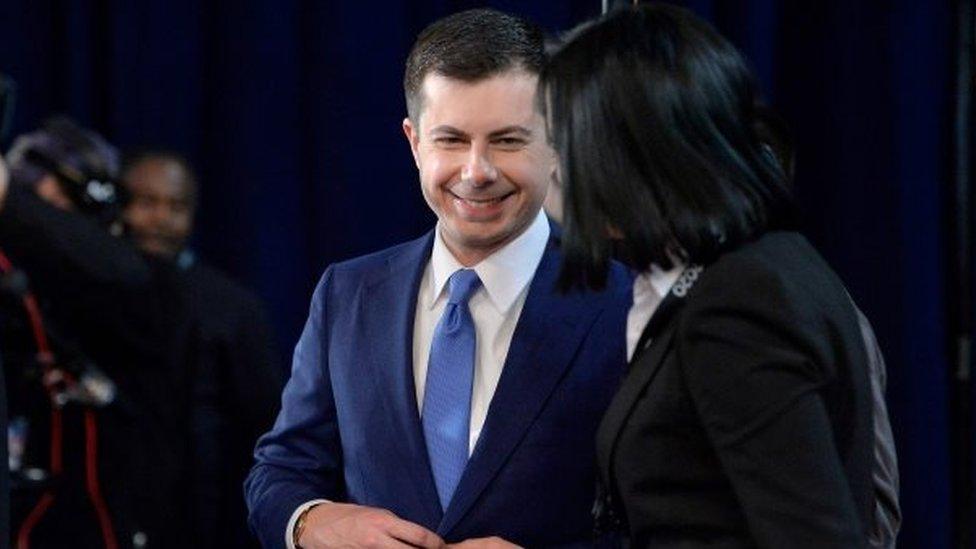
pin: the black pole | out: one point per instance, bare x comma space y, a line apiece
961, 304
8, 92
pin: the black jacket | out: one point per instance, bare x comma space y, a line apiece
236, 389
748, 419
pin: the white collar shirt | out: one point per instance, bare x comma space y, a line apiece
650, 287
495, 308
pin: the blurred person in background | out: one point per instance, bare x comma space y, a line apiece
236, 381
108, 308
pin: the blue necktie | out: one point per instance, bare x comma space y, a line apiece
447, 394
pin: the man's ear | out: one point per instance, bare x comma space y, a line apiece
413, 137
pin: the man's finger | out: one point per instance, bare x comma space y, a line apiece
413, 534
393, 543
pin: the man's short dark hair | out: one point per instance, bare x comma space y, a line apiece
471, 46
662, 137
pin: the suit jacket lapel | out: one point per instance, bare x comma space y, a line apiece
549, 331
388, 318
643, 368
642, 371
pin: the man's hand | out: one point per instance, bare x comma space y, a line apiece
484, 543
333, 525
4, 182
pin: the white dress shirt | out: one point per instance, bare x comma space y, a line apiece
495, 308
650, 287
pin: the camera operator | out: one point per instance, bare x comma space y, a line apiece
123, 314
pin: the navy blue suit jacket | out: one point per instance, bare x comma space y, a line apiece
349, 428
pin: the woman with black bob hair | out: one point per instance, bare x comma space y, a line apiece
746, 418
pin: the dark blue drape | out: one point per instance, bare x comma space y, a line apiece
291, 111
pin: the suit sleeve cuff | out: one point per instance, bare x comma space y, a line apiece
290, 529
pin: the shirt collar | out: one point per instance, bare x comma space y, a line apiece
504, 274
657, 280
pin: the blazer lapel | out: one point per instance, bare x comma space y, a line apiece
644, 366
549, 331
388, 308
642, 371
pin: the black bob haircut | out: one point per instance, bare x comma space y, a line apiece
470, 46
663, 144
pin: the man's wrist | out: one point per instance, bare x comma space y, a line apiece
300, 524
291, 539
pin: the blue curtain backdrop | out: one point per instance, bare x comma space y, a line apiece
291, 111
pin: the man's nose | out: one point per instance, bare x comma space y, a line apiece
479, 169
160, 214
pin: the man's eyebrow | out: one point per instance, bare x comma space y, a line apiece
507, 130
448, 130
520, 130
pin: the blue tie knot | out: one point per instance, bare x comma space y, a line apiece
463, 283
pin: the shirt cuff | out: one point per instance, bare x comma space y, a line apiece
290, 529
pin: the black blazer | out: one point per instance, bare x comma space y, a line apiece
747, 420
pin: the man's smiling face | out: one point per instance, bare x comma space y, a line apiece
483, 159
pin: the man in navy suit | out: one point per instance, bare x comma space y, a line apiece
443, 390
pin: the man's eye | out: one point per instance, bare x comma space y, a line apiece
448, 140
510, 141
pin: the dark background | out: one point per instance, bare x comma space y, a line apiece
291, 112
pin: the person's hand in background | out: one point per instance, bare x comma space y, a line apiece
4, 181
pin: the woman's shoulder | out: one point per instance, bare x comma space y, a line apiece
776, 261
769, 253
774, 297
780, 275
